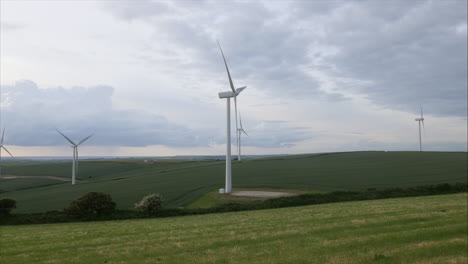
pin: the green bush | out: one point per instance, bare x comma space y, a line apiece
150, 204
70, 214
91, 205
6, 205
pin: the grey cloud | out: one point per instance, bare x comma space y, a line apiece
407, 53
275, 134
412, 54
264, 53
7, 26
31, 116
130, 10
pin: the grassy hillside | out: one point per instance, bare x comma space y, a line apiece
431, 229
183, 182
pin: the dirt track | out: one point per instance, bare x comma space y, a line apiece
261, 194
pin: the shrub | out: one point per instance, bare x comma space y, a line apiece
91, 205
6, 205
150, 204
304, 199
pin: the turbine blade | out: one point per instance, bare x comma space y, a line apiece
422, 120
3, 134
240, 120
424, 129
239, 90
227, 69
7, 151
241, 128
84, 139
69, 140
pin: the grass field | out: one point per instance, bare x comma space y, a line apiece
183, 182
431, 229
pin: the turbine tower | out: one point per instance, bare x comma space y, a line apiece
240, 130
3, 147
420, 120
228, 95
75, 153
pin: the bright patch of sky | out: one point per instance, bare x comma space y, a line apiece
144, 75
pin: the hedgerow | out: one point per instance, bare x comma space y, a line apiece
300, 200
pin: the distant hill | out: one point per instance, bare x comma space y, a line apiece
181, 181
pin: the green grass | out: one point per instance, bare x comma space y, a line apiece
183, 182
87, 169
431, 229
22, 184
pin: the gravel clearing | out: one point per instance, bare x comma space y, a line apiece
262, 194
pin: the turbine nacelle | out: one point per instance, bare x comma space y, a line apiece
229, 94
420, 120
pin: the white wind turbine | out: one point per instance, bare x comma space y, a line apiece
75, 153
420, 120
228, 94
3, 147
240, 130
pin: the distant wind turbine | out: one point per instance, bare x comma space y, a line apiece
240, 130
420, 120
75, 153
3, 147
228, 94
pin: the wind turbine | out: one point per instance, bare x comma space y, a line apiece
420, 120
228, 95
3, 147
75, 153
240, 130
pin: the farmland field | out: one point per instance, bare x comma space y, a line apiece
182, 182
430, 229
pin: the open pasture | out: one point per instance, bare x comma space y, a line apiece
183, 182
430, 229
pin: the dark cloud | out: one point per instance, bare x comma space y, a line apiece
31, 116
266, 54
408, 53
411, 53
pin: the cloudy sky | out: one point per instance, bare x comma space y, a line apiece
321, 76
